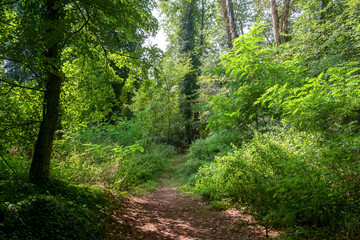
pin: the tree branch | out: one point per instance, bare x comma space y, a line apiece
8, 165
20, 86
83, 16
26, 65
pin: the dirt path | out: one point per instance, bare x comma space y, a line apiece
169, 213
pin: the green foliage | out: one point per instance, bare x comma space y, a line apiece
290, 179
250, 64
203, 151
63, 211
116, 157
19, 117
111, 156
326, 38
158, 107
329, 102
304, 178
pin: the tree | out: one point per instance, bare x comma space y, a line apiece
189, 84
275, 22
189, 22
280, 35
284, 21
228, 12
47, 30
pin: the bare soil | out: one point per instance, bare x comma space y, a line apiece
170, 213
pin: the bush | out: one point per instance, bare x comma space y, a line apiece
95, 156
203, 151
289, 179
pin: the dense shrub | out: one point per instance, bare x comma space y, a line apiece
114, 156
203, 151
290, 179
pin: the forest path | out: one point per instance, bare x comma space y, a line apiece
170, 213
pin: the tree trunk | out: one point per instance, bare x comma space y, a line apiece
275, 22
40, 166
227, 24
189, 84
232, 24
284, 20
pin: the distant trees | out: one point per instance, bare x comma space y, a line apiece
189, 20
189, 84
280, 29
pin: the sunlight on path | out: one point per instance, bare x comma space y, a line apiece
168, 213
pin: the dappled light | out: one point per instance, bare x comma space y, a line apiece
169, 213
244, 124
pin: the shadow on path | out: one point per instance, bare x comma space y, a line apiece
168, 213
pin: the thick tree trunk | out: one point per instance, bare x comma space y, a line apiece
227, 24
40, 166
230, 10
284, 20
275, 22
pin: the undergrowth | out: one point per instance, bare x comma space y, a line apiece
203, 151
113, 156
88, 166
293, 180
59, 211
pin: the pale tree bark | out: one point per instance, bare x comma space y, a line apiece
275, 22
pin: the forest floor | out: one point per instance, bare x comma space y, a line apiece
171, 213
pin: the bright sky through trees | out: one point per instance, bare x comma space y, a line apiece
160, 38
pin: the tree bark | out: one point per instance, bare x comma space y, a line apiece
284, 21
275, 22
227, 24
40, 166
230, 10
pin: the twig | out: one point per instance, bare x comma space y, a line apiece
17, 175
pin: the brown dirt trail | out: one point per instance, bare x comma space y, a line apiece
169, 213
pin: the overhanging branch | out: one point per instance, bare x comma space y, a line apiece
20, 86
22, 63
83, 16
